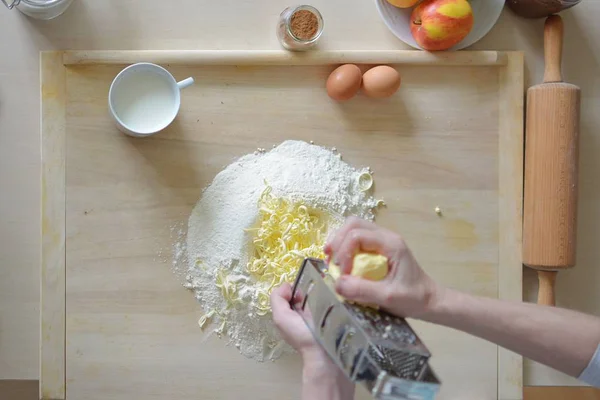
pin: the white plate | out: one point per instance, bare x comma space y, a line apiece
485, 14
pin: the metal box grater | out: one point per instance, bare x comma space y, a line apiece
373, 348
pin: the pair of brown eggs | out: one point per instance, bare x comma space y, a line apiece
378, 82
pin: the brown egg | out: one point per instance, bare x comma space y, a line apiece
381, 81
344, 82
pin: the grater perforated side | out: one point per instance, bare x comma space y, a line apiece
373, 348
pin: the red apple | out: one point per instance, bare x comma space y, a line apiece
441, 24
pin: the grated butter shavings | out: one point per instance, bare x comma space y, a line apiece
205, 318
229, 288
287, 233
365, 181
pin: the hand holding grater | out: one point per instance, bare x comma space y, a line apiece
372, 347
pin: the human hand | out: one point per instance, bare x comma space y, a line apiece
322, 379
290, 324
406, 291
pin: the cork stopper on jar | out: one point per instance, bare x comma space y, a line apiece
299, 27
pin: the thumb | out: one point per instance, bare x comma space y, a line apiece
361, 290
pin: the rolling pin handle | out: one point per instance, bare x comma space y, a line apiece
546, 290
553, 44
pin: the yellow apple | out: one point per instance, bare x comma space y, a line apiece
403, 3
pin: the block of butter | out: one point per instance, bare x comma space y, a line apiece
365, 265
373, 267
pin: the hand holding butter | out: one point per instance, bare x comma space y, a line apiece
373, 267
379, 269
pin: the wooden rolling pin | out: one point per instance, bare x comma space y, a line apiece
551, 169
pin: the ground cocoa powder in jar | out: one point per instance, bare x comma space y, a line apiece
304, 24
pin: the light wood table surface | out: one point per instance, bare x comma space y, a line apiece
242, 24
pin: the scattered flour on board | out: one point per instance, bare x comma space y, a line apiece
217, 240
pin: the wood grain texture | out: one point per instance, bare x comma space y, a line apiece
553, 47
547, 281
551, 168
28, 390
560, 393
281, 57
132, 329
96, 25
510, 209
19, 389
52, 295
551, 176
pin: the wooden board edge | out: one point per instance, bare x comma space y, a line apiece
281, 57
27, 390
510, 273
19, 389
237, 58
560, 392
53, 277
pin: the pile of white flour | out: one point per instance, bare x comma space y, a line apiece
217, 239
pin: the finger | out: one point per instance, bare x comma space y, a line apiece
280, 301
336, 239
351, 223
361, 290
358, 240
298, 297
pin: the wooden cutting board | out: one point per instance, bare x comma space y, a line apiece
116, 323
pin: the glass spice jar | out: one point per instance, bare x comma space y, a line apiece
299, 27
39, 9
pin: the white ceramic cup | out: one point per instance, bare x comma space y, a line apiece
144, 99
